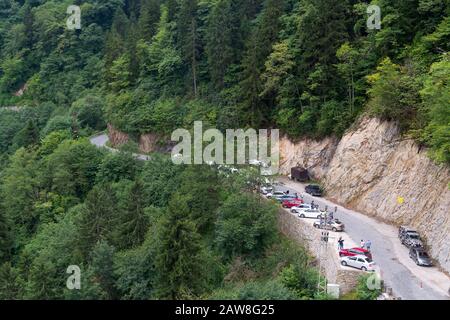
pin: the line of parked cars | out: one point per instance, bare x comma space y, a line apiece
354, 257
410, 238
302, 209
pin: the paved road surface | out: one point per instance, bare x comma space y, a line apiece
410, 282
397, 269
101, 141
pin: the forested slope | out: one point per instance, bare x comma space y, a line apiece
308, 67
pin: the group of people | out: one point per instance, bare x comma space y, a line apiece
366, 244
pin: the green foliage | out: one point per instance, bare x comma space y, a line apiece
436, 97
256, 290
130, 217
246, 225
28, 136
58, 123
71, 170
160, 178
393, 93
157, 230
12, 73
88, 111
362, 290
135, 272
5, 237
180, 262
117, 166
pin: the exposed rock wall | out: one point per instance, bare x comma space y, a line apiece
149, 142
311, 154
116, 137
372, 170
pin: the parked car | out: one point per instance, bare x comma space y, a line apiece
420, 257
360, 262
314, 190
284, 197
334, 225
355, 252
289, 203
267, 189
402, 230
412, 240
274, 194
310, 213
298, 208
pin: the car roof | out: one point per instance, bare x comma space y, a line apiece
359, 249
361, 256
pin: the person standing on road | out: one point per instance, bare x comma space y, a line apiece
340, 243
368, 244
362, 244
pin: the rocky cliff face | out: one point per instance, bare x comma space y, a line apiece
149, 142
372, 170
116, 137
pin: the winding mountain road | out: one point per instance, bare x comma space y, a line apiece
407, 280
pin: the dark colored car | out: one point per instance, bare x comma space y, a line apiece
355, 252
412, 240
299, 174
420, 257
402, 230
314, 190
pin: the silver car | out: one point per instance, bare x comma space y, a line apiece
359, 262
300, 207
420, 257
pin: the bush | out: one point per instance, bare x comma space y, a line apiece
57, 123
255, 290
246, 225
362, 290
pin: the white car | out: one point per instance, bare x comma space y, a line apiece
266, 190
298, 208
310, 213
274, 194
360, 262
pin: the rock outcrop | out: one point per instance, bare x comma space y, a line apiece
374, 171
149, 142
116, 137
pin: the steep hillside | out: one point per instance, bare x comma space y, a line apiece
372, 169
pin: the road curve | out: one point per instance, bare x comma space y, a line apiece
101, 140
407, 280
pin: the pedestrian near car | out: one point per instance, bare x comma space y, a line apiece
362, 244
368, 245
340, 243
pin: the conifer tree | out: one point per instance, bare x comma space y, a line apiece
179, 261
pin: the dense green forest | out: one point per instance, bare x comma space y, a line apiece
156, 230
